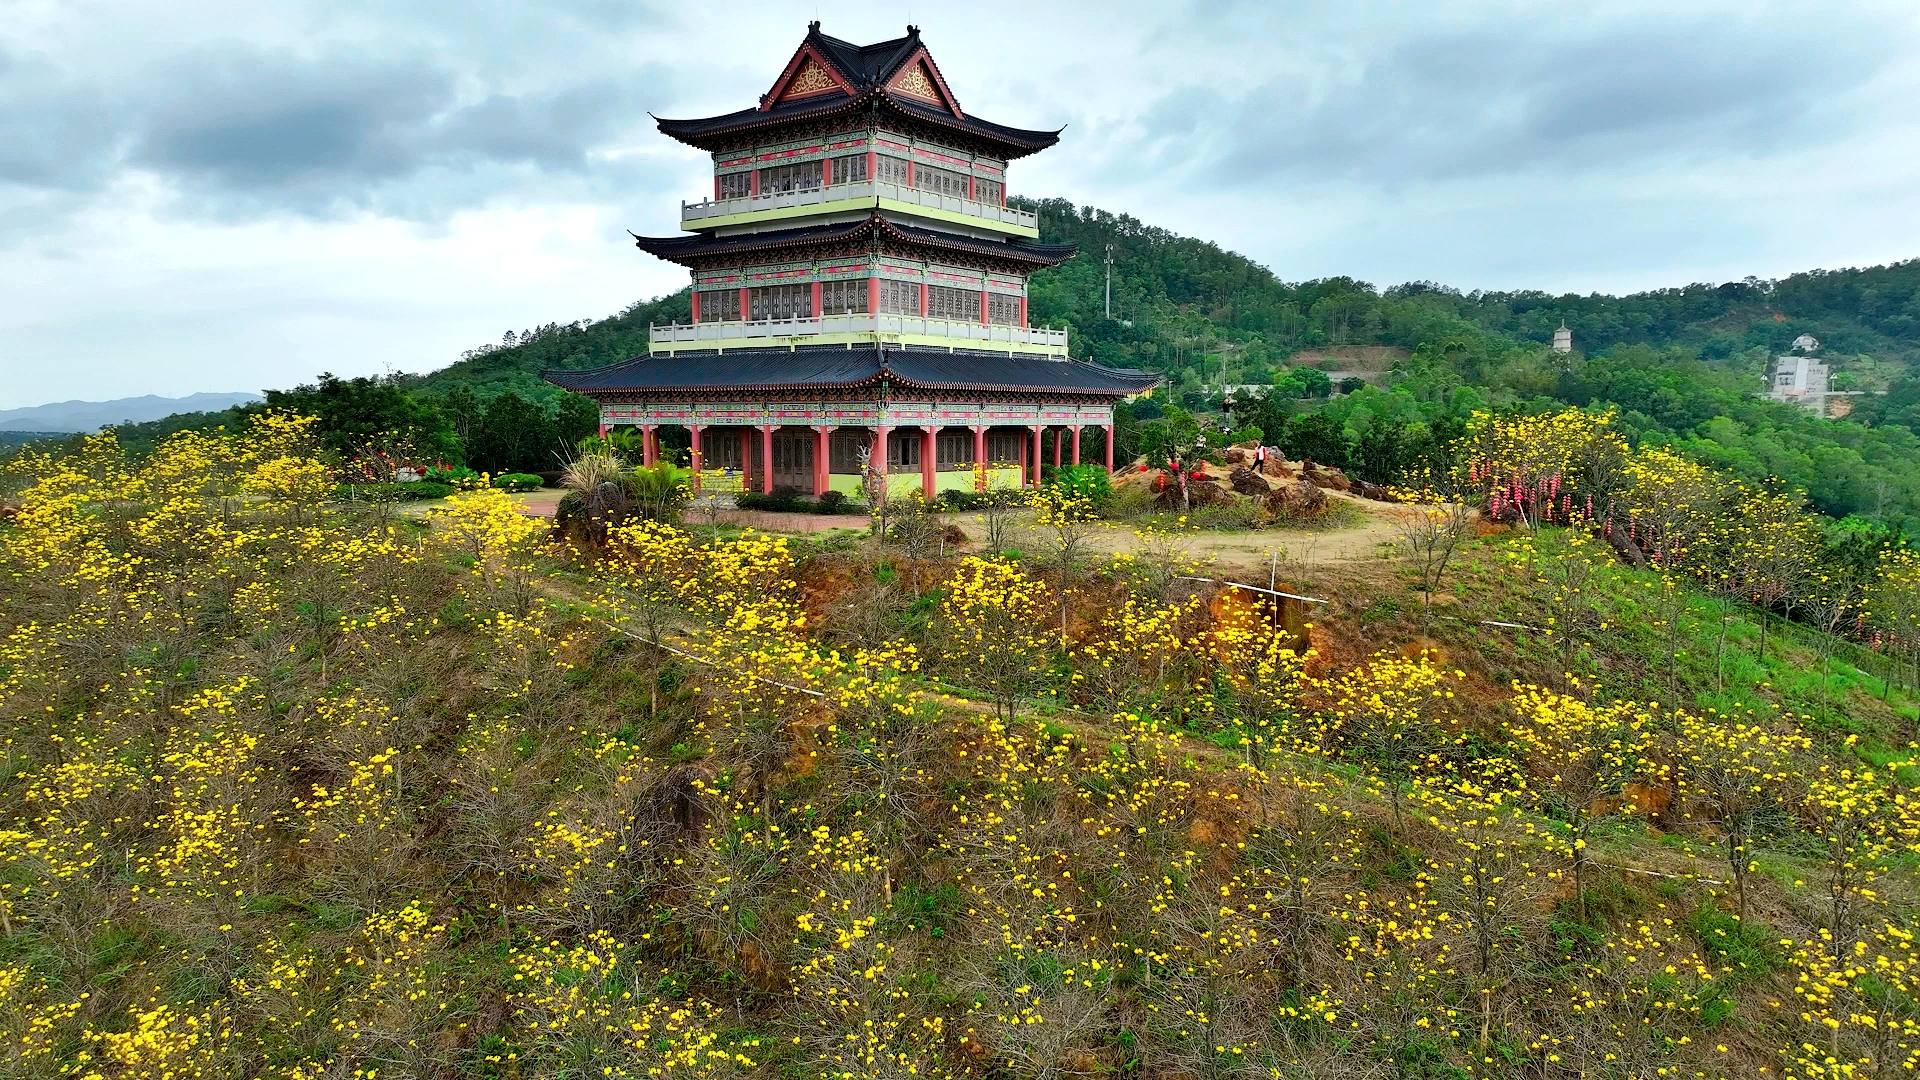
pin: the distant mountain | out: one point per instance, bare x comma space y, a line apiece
94, 415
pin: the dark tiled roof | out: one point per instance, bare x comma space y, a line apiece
865, 65
680, 249
867, 69
838, 367
716, 132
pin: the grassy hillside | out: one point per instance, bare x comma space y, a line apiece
297, 790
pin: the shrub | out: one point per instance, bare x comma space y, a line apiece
833, 502
414, 492
1089, 482
456, 475
517, 481
657, 491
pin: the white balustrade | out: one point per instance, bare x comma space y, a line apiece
954, 332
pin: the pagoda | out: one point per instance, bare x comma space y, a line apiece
860, 293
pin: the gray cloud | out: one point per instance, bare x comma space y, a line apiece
246, 131
1523, 95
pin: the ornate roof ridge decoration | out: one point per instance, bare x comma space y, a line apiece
820, 367
697, 250
827, 77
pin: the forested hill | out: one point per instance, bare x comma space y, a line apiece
1181, 304
1682, 365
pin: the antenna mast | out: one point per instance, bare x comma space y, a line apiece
1109, 281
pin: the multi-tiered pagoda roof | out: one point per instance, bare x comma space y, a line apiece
857, 271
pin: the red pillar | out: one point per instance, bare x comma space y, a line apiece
744, 308
694, 458
815, 311
766, 456
821, 461
873, 296
649, 445
983, 307
928, 444
753, 184
1036, 454
1076, 444
1109, 431
979, 446
873, 166
696, 305
826, 172
603, 430
1056, 448
923, 299
878, 460
1023, 311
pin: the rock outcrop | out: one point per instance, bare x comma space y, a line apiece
1297, 501
1247, 482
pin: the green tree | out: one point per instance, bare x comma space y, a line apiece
367, 412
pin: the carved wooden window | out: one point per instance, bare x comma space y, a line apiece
720, 305
952, 448
737, 185
781, 179
903, 449
899, 297
843, 451
891, 170
961, 305
1003, 310
780, 302
844, 297
1003, 447
941, 181
851, 169
988, 191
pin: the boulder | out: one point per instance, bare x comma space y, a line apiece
1325, 476
1624, 548
1247, 482
1372, 491
1295, 501
1235, 456
1278, 468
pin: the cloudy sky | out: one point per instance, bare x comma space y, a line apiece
221, 196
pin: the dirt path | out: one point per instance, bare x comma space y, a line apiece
1375, 531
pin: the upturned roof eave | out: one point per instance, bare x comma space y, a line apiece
706, 133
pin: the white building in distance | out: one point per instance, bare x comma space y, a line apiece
1798, 378
1563, 339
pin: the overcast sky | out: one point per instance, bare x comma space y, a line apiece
218, 196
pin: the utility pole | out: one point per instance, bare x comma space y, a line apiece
1109, 281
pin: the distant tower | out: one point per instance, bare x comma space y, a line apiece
1563, 339
1805, 343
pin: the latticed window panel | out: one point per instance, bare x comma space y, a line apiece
843, 297
781, 179
780, 302
899, 297
891, 170
851, 169
1004, 446
952, 448
944, 302
988, 191
903, 449
719, 305
1003, 310
735, 185
940, 181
